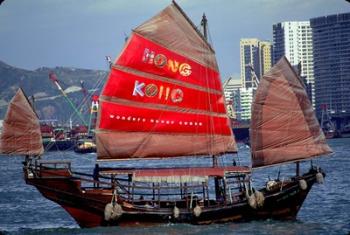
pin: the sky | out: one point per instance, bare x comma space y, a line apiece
80, 33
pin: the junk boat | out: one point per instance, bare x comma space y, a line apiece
164, 100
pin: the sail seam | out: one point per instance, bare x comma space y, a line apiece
102, 130
155, 158
160, 107
301, 159
164, 79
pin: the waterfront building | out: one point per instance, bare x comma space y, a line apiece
256, 60
331, 40
246, 99
231, 85
239, 98
231, 90
293, 39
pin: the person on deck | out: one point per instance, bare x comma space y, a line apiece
96, 175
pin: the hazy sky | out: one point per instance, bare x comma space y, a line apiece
80, 33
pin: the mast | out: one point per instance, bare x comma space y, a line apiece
297, 163
204, 24
297, 168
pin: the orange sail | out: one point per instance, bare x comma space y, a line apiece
163, 97
284, 127
21, 130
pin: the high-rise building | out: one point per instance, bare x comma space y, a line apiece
331, 42
265, 56
256, 58
293, 39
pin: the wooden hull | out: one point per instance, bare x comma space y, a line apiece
87, 206
345, 134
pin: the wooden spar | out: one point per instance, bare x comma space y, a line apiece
215, 161
297, 164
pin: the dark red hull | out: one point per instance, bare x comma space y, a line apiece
87, 206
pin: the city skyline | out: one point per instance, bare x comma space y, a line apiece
293, 39
81, 33
256, 60
331, 64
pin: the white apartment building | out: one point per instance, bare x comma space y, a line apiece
246, 98
293, 39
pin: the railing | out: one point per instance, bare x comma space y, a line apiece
159, 195
53, 164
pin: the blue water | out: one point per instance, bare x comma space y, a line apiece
326, 210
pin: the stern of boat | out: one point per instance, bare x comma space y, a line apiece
283, 199
56, 182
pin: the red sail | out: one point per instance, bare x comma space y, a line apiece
163, 97
284, 127
21, 130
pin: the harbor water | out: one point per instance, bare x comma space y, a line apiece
23, 210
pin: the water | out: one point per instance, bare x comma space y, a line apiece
326, 210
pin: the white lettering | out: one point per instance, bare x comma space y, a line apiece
138, 89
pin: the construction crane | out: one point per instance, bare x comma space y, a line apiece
54, 79
255, 79
86, 96
93, 112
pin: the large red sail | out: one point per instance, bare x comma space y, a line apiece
21, 130
284, 127
163, 97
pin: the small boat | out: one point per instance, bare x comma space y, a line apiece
345, 133
85, 141
327, 124
163, 100
85, 145
56, 138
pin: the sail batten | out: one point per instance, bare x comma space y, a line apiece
21, 133
146, 56
135, 72
284, 127
163, 97
128, 145
161, 92
158, 107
